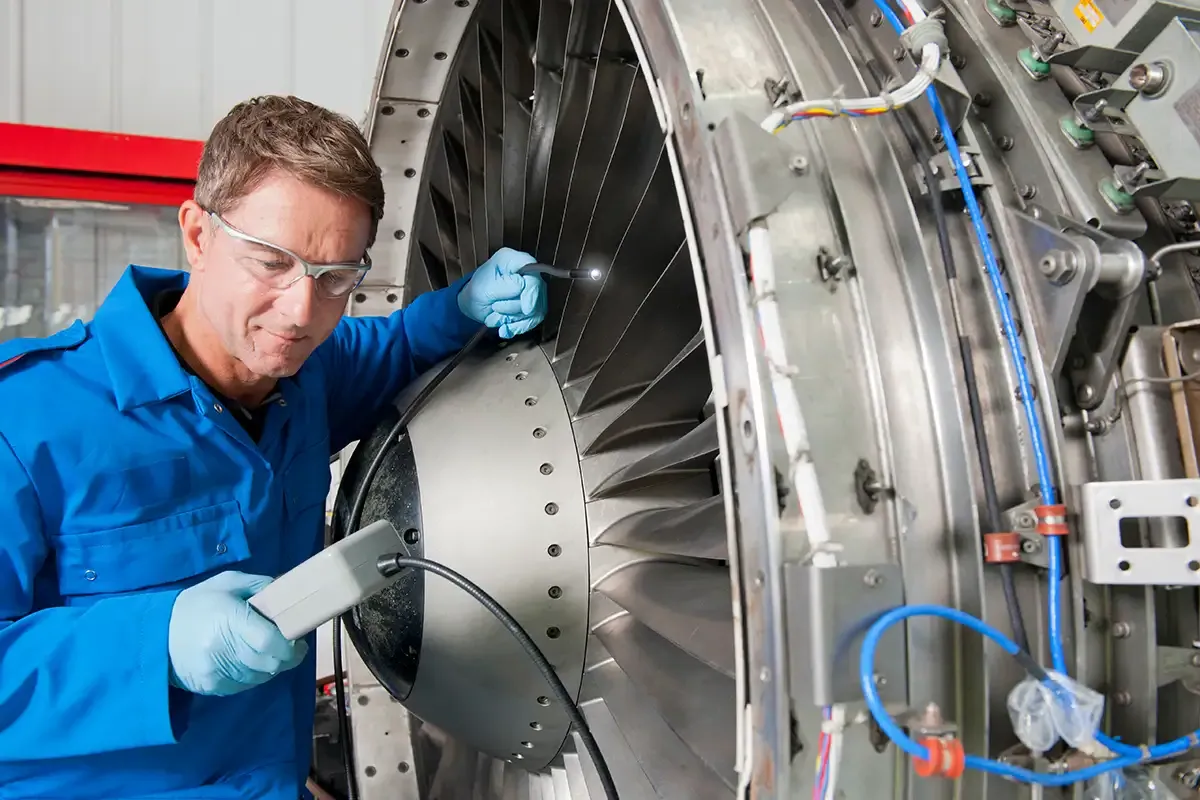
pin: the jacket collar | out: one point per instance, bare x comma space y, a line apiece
141, 364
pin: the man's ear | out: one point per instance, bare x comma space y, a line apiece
193, 224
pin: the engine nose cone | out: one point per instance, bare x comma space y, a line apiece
489, 482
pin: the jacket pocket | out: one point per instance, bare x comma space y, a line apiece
152, 553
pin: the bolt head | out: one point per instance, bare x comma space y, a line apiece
799, 165
1121, 630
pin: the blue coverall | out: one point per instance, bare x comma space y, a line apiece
124, 480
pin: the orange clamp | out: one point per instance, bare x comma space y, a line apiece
946, 759
1051, 520
1001, 548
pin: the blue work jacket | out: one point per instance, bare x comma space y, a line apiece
123, 481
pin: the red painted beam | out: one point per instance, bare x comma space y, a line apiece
37, 147
95, 188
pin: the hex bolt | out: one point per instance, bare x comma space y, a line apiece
1059, 266
1121, 630
1026, 520
1027, 192
958, 61
799, 165
1031, 547
1085, 393
872, 578
1123, 698
1048, 47
898, 53
982, 99
1005, 142
1094, 113
1195, 660
876, 18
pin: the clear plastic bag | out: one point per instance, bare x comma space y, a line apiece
1132, 783
1042, 712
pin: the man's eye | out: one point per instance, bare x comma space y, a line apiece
275, 264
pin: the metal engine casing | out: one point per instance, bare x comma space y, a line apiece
702, 663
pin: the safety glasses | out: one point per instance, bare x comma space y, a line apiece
279, 268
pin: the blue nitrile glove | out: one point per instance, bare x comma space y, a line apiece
500, 298
219, 645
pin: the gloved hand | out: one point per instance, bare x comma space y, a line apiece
500, 298
219, 645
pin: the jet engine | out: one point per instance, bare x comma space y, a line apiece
866, 469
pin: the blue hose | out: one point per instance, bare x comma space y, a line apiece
866, 672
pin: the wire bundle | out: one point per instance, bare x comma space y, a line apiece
883, 103
1128, 755
829, 742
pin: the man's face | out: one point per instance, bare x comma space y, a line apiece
240, 286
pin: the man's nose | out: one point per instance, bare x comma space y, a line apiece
300, 301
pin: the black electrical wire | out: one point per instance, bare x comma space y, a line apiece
343, 715
392, 564
911, 129
352, 523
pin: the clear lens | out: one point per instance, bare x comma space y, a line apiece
339, 282
278, 268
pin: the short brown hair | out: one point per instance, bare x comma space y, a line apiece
307, 141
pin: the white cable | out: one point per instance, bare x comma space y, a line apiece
931, 59
914, 10
837, 721
787, 404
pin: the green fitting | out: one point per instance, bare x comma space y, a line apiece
1003, 15
1033, 66
1079, 135
1120, 200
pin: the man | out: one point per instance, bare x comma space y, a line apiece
157, 463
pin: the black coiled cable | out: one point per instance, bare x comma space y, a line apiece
392, 564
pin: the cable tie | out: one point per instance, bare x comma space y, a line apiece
786, 370
930, 30
887, 101
1194, 738
801, 456
1146, 754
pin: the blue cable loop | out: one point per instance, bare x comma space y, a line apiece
1129, 754
866, 672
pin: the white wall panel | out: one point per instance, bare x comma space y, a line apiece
173, 67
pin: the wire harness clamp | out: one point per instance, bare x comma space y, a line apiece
946, 758
1052, 520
